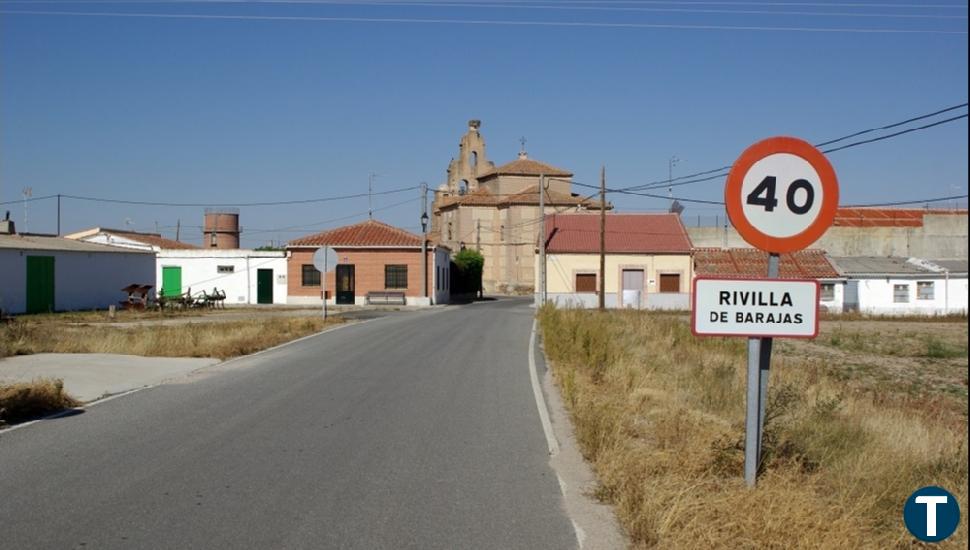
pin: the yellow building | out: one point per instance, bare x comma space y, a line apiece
648, 261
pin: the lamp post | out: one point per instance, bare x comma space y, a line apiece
424, 238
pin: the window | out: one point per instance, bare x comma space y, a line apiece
311, 276
585, 282
901, 294
395, 276
225, 269
827, 292
924, 290
670, 282
212, 240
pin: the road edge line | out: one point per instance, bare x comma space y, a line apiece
537, 393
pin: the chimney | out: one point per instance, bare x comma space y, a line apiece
6, 226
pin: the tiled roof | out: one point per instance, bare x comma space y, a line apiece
529, 196
879, 265
152, 239
886, 217
751, 263
625, 234
526, 167
367, 233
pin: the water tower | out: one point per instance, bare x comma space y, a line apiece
221, 228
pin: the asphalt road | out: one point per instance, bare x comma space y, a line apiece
415, 430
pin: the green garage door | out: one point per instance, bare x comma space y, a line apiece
40, 284
171, 281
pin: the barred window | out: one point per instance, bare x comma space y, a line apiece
901, 294
924, 290
311, 275
395, 276
827, 292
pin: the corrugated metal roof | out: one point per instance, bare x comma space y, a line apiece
953, 266
878, 265
751, 263
35, 242
625, 234
368, 233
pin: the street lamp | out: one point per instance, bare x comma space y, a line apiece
424, 251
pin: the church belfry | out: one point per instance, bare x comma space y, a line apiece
463, 171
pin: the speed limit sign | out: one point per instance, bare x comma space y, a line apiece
781, 194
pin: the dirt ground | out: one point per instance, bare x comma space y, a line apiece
919, 359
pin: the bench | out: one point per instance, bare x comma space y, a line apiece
386, 297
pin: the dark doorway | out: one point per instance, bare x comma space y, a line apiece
40, 284
264, 286
345, 284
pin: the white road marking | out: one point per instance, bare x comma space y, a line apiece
540, 400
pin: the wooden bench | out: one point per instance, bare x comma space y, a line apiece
386, 297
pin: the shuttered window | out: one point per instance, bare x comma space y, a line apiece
670, 282
395, 276
585, 282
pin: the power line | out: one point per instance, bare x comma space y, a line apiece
507, 5
483, 22
717, 171
900, 203
241, 204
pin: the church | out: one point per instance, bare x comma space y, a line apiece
495, 210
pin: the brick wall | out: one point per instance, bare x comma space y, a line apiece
369, 270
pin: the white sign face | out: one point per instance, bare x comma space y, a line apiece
325, 259
781, 195
755, 308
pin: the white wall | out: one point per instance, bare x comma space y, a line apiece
834, 305
82, 280
876, 297
200, 271
441, 285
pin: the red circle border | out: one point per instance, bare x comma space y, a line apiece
830, 194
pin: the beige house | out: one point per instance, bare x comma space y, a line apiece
648, 261
495, 210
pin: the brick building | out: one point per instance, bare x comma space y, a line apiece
373, 261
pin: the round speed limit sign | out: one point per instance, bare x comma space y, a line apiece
781, 194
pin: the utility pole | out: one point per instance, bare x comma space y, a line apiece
602, 289
58, 214
542, 240
27, 192
370, 195
478, 235
424, 237
670, 177
178, 228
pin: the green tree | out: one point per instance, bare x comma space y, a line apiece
468, 271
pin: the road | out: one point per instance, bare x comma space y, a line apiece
414, 430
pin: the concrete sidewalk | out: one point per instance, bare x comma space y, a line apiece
90, 376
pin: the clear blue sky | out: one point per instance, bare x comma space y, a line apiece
232, 110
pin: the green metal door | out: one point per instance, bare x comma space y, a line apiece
264, 286
171, 281
40, 284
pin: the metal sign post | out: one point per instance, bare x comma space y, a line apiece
320, 261
759, 365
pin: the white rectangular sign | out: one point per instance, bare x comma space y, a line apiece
755, 307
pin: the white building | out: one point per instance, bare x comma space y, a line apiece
39, 274
903, 286
246, 276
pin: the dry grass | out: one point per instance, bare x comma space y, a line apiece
221, 340
659, 413
25, 400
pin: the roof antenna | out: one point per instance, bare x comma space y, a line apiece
522, 153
